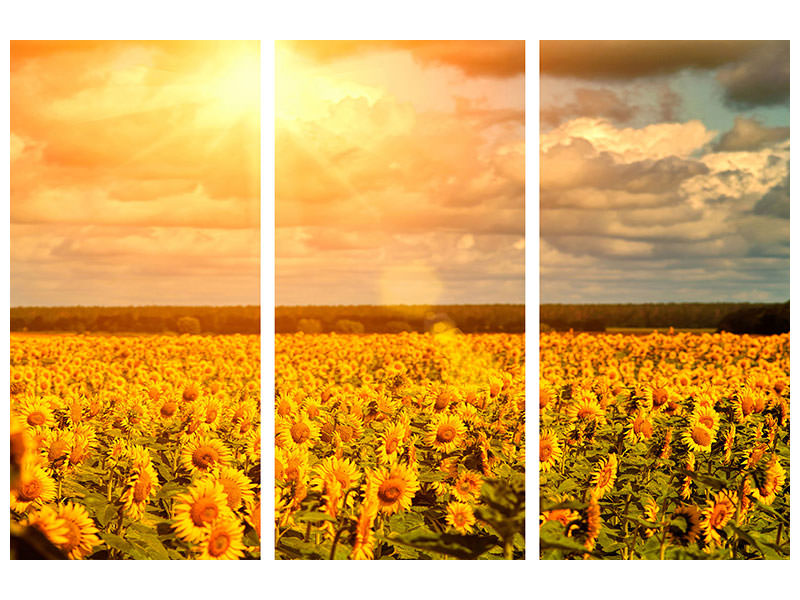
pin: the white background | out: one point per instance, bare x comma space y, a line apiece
410, 19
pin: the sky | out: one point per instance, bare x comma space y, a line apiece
664, 171
135, 173
399, 172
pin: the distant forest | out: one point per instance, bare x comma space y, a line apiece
138, 319
722, 316
469, 318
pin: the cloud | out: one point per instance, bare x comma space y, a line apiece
590, 103
655, 221
483, 58
775, 202
752, 73
750, 134
651, 142
135, 173
762, 79
56, 264
385, 166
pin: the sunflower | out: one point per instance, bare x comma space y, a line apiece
586, 408
35, 487
348, 429
769, 481
460, 516
55, 446
728, 444
391, 443
706, 416
698, 437
81, 536
203, 454
35, 412
238, 488
684, 525
640, 428
603, 479
547, 394
756, 454
658, 395
446, 432
209, 411
650, 514
297, 431
47, 521
253, 447
199, 508
745, 402
342, 470
586, 528
82, 443
440, 397
467, 486
549, 450
222, 541
716, 515
141, 484
565, 516
362, 549
291, 465
394, 487
686, 486
253, 517
243, 418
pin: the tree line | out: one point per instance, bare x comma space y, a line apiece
735, 317
468, 318
138, 319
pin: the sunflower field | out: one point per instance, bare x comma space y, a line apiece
400, 446
665, 446
140, 447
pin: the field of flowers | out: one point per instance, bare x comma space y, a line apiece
400, 446
665, 446
142, 447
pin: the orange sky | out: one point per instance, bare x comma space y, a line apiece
399, 172
135, 173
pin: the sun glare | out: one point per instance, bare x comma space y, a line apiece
235, 92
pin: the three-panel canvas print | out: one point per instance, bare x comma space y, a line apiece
396, 428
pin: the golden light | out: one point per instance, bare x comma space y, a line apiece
413, 283
234, 92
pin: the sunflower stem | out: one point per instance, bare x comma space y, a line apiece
336, 541
735, 537
508, 548
662, 548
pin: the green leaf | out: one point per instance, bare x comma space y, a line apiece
151, 542
169, 489
106, 515
313, 516
467, 547
428, 476
114, 541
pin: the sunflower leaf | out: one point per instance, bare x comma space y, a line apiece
114, 541
313, 516
466, 547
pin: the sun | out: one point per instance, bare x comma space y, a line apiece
233, 89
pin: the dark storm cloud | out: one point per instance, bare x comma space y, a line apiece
761, 79
752, 73
775, 202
